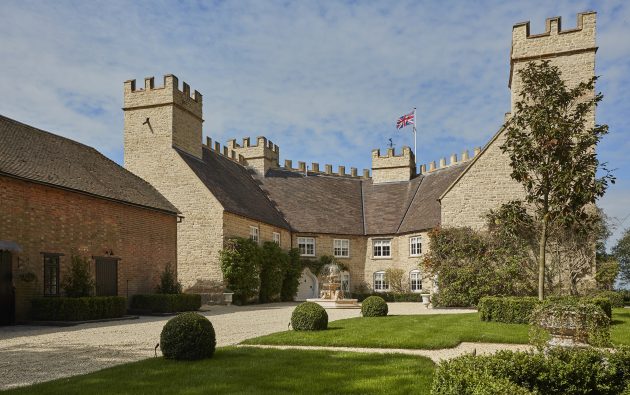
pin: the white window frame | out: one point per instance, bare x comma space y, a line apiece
254, 234
306, 241
380, 282
378, 245
418, 279
276, 238
339, 249
415, 243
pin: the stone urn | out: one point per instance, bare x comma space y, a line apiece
426, 299
565, 330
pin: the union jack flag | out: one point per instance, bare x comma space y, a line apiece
407, 119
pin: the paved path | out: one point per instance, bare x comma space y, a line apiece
30, 354
435, 355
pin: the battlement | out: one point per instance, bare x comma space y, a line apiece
315, 169
167, 94
465, 157
261, 142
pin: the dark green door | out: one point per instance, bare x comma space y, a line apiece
7, 294
106, 276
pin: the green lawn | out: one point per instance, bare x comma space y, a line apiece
404, 331
255, 371
422, 332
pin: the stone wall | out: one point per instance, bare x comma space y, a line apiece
239, 226
52, 220
400, 258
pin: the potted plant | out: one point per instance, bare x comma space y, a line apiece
426, 298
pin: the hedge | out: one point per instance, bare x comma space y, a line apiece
166, 303
78, 309
517, 310
561, 371
309, 316
390, 296
508, 309
616, 297
188, 336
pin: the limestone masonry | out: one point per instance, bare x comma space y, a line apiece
370, 222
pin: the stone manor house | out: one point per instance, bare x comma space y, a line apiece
370, 221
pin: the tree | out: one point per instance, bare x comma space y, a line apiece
552, 151
79, 283
622, 252
168, 282
241, 265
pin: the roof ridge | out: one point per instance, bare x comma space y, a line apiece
409, 205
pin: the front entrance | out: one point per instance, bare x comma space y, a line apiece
308, 287
106, 276
7, 293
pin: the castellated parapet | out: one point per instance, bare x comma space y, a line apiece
572, 50
166, 112
259, 156
392, 167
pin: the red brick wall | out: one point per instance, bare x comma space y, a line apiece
46, 219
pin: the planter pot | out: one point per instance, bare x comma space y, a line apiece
227, 297
426, 299
564, 332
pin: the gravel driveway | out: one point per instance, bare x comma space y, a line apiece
31, 354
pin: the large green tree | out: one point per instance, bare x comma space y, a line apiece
552, 151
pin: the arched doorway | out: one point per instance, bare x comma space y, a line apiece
308, 287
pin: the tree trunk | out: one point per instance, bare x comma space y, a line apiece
541, 258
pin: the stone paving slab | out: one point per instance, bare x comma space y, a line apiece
31, 354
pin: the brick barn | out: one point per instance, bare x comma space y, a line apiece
60, 198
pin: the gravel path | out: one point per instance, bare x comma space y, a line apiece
435, 355
31, 354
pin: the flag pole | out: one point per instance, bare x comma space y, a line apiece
415, 120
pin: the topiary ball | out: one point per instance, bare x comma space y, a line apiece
188, 336
309, 316
374, 306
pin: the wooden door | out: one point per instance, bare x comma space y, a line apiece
7, 294
106, 276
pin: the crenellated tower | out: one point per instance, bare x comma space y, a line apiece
572, 50
158, 118
260, 157
392, 167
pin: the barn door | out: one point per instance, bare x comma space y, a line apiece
106, 276
7, 296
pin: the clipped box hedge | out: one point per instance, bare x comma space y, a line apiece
78, 309
560, 371
390, 296
166, 303
508, 309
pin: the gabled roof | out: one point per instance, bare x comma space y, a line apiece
234, 187
32, 154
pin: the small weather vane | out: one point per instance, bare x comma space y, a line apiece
391, 143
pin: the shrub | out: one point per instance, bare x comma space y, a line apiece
390, 297
512, 310
166, 303
616, 298
590, 323
562, 371
240, 264
374, 306
603, 303
274, 264
188, 336
394, 278
168, 282
292, 275
78, 309
309, 316
79, 282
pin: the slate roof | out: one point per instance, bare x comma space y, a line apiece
36, 155
319, 203
235, 188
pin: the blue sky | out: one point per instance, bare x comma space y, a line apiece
324, 80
